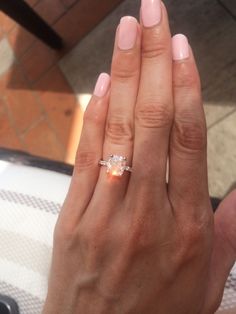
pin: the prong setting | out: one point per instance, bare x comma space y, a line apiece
116, 165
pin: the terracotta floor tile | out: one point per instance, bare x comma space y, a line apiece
37, 60
50, 10
20, 40
23, 108
56, 135
6, 22
20, 99
8, 136
78, 21
12, 79
58, 101
42, 141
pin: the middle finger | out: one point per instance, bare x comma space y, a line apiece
154, 108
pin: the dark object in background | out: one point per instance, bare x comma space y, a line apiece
23, 14
8, 305
26, 159
215, 202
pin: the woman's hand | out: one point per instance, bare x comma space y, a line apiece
134, 244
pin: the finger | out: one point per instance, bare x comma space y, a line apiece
188, 159
125, 73
224, 252
154, 108
89, 152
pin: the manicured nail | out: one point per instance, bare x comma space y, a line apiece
180, 47
127, 33
102, 85
151, 12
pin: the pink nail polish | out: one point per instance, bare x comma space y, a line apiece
180, 47
102, 85
127, 33
151, 12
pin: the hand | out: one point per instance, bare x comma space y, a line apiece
134, 244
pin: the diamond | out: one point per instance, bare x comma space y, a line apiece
116, 165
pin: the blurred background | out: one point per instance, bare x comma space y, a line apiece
44, 92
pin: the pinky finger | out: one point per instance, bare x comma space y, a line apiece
89, 152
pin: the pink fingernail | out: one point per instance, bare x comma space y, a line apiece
180, 47
127, 33
151, 12
102, 85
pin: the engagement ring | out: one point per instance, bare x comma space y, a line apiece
116, 165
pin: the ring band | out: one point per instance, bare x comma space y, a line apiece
116, 165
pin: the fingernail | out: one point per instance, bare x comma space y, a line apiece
102, 85
151, 12
127, 33
180, 47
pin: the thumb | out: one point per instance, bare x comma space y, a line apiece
224, 251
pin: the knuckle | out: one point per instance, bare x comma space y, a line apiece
65, 237
185, 77
91, 117
119, 131
190, 247
121, 73
89, 237
93, 238
153, 50
141, 236
125, 68
85, 160
154, 115
154, 46
190, 135
194, 238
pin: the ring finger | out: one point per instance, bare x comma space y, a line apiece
124, 87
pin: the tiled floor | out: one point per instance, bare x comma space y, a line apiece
39, 111
43, 91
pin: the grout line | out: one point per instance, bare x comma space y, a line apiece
28, 88
221, 119
33, 125
12, 123
27, 49
43, 75
47, 119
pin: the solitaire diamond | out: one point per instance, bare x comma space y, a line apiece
116, 165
